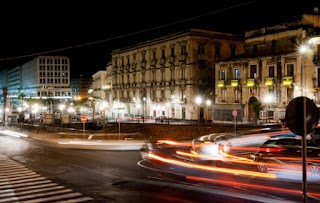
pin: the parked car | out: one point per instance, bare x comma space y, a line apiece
161, 119
285, 153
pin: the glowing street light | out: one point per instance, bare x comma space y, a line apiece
268, 100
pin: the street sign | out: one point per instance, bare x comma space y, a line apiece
84, 119
234, 113
295, 119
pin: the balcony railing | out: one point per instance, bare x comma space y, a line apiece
251, 82
234, 83
269, 81
221, 83
287, 81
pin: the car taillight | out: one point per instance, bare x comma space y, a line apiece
267, 149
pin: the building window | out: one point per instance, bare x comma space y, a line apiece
201, 49
172, 51
154, 55
223, 75
253, 71
163, 53
163, 95
271, 71
183, 73
237, 74
143, 77
183, 49
143, 55
163, 77
290, 70
172, 73
154, 76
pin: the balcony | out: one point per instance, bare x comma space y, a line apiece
234, 83
251, 82
162, 61
269, 81
287, 81
171, 59
203, 57
182, 57
221, 83
143, 63
183, 101
154, 62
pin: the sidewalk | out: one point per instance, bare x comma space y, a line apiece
75, 143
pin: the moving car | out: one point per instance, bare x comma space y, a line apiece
285, 153
207, 148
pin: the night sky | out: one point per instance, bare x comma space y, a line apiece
87, 32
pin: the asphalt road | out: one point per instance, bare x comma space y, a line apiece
122, 176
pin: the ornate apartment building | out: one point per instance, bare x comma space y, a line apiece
281, 62
164, 76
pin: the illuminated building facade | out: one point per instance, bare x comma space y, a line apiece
273, 67
164, 76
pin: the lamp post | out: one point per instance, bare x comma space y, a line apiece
198, 102
208, 102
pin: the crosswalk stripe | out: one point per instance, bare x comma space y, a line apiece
19, 178
30, 191
23, 184
81, 199
35, 195
28, 187
60, 197
17, 174
15, 170
20, 184
22, 181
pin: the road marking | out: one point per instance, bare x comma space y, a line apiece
20, 184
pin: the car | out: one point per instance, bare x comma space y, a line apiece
285, 153
161, 119
208, 148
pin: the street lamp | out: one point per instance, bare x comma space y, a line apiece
198, 102
208, 103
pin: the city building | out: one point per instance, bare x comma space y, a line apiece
80, 87
164, 76
281, 62
46, 77
99, 81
